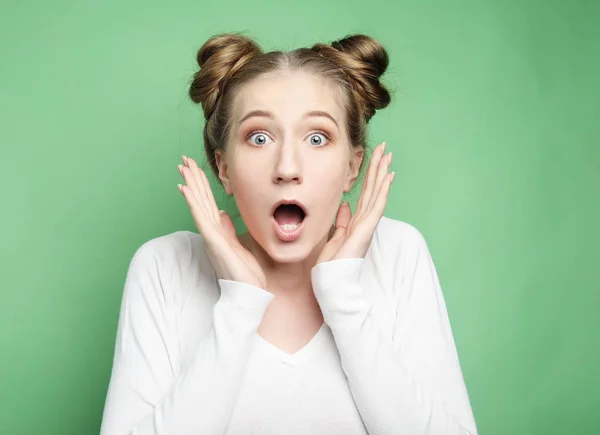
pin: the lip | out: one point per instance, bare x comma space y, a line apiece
287, 236
289, 201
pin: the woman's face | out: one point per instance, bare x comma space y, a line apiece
281, 149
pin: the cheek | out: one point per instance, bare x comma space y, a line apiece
247, 188
243, 185
330, 177
330, 187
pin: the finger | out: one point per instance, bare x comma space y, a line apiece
204, 188
379, 206
343, 217
335, 240
200, 188
190, 181
382, 172
227, 225
198, 207
364, 190
369, 181
197, 213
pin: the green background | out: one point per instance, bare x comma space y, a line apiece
496, 147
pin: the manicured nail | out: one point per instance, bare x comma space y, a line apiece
184, 159
180, 167
179, 187
390, 158
383, 147
393, 176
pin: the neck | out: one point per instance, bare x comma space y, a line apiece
289, 280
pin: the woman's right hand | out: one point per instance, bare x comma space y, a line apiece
229, 258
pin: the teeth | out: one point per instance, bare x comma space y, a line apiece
289, 227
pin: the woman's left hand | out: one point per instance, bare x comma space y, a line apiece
353, 234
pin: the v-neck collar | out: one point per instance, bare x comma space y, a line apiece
301, 354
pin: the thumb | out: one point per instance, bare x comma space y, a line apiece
343, 217
227, 224
342, 220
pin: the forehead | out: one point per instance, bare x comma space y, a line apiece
288, 94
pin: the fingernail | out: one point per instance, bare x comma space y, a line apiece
390, 157
345, 203
179, 187
180, 167
221, 211
393, 175
184, 159
383, 147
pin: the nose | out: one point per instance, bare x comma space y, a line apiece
288, 165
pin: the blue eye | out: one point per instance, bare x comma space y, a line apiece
319, 143
261, 137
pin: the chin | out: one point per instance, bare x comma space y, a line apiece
287, 253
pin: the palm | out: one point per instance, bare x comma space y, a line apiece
244, 255
229, 258
353, 234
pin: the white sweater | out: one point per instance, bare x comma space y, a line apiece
188, 358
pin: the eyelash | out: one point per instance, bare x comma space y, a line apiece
263, 132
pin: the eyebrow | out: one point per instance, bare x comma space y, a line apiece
266, 114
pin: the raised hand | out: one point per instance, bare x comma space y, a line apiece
229, 258
353, 234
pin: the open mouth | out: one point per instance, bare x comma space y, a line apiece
289, 216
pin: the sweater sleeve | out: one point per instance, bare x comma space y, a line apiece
407, 380
148, 393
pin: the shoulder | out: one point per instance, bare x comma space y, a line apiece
175, 261
399, 249
397, 239
400, 254
173, 248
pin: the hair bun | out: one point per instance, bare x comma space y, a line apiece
364, 60
219, 58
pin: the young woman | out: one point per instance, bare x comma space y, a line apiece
315, 321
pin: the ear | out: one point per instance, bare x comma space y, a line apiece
354, 167
222, 166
